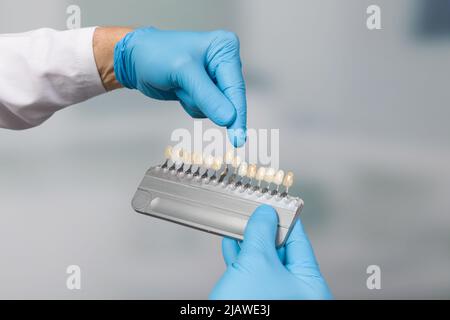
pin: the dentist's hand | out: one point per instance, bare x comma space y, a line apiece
202, 70
256, 270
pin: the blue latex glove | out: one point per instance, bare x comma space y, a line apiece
257, 270
202, 70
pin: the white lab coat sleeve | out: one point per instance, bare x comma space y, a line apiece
43, 71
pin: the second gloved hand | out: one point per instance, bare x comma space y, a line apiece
200, 69
256, 270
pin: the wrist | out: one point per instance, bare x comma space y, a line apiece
103, 43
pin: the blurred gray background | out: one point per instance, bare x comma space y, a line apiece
363, 118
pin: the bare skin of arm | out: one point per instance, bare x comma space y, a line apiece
105, 38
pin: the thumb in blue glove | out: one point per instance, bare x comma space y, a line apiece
257, 270
202, 70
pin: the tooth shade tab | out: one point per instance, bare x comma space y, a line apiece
270, 173
260, 173
236, 162
229, 155
168, 152
278, 179
217, 163
288, 180
208, 161
197, 159
251, 171
176, 155
187, 157
243, 168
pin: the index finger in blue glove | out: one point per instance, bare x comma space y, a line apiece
224, 65
231, 81
195, 81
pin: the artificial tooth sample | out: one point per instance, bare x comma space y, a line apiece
177, 155
225, 171
187, 157
184, 155
242, 172
176, 158
207, 163
197, 160
251, 172
288, 181
168, 152
167, 155
243, 169
187, 160
278, 180
216, 165
268, 177
235, 164
229, 155
260, 174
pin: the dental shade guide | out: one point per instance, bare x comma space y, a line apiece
215, 194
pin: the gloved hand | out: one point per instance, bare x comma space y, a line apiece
200, 69
256, 270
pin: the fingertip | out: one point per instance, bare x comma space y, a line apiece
237, 137
264, 219
230, 250
266, 212
229, 243
261, 229
297, 231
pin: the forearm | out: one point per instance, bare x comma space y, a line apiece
45, 70
104, 40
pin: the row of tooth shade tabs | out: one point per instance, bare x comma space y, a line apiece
235, 171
